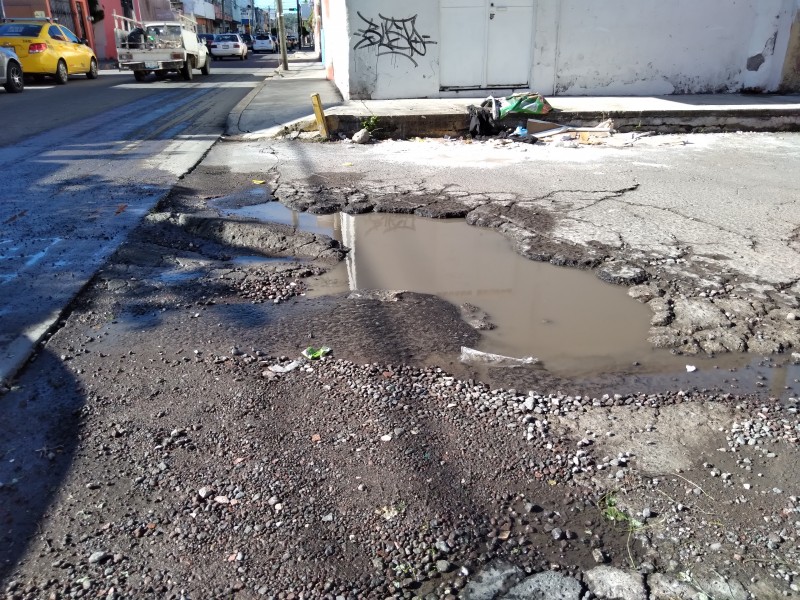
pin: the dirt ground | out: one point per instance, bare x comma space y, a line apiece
169, 441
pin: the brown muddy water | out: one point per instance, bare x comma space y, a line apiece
574, 323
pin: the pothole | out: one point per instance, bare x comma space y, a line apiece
574, 323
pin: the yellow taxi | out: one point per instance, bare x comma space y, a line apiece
48, 48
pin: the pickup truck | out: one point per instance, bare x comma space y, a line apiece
160, 47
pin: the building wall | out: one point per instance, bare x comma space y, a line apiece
388, 49
393, 48
790, 78
655, 47
337, 49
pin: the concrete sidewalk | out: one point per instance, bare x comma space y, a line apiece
281, 105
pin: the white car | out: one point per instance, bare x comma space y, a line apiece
228, 44
263, 43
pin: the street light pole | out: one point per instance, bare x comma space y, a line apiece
282, 37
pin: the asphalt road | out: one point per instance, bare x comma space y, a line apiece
83, 163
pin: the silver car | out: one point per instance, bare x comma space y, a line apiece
10, 70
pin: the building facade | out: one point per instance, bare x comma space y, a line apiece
444, 48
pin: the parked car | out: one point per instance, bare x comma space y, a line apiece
248, 39
47, 48
264, 43
11, 71
228, 44
207, 39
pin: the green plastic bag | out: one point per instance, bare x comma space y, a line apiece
526, 103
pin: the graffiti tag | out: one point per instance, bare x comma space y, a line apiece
393, 36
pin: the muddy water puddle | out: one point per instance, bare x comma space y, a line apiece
574, 323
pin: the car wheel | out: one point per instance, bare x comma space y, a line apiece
61, 74
92, 73
14, 81
187, 70
206, 68
243, 56
140, 75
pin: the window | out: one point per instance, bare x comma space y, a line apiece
19, 30
56, 33
70, 36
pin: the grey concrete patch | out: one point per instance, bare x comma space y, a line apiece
496, 578
547, 585
692, 315
664, 587
621, 273
610, 583
679, 431
714, 585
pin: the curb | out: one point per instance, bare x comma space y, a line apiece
679, 121
232, 121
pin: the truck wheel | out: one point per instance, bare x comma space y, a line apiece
187, 70
206, 68
140, 75
61, 75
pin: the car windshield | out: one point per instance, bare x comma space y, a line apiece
227, 38
19, 30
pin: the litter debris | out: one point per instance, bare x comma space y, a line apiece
259, 181
285, 368
470, 356
526, 103
691, 368
312, 353
546, 129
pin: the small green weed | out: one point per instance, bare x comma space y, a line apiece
610, 512
371, 123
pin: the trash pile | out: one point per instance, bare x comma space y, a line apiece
486, 123
485, 119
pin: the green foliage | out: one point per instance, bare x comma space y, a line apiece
370, 123
610, 512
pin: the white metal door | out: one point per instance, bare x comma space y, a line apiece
485, 43
508, 54
463, 43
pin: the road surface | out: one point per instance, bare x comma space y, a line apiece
83, 163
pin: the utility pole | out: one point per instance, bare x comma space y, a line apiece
282, 37
299, 28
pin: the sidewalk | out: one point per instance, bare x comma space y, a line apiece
281, 104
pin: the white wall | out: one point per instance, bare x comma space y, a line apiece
648, 47
337, 47
394, 50
579, 47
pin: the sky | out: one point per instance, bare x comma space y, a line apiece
265, 4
